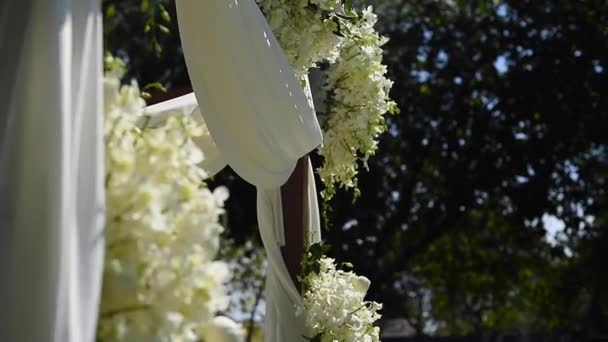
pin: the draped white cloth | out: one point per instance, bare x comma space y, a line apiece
261, 122
281, 323
51, 170
255, 109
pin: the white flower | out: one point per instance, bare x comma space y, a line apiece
222, 329
160, 280
357, 111
317, 31
334, 305
306, 35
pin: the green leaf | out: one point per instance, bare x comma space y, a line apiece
346, 17
347, 265
158, 49
164, 13
155, 85
425, 89
317, 250
144, 6
163, 28
348, 6
111, 11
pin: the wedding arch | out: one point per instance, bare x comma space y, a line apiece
261, 121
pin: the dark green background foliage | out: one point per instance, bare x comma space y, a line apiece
504, 121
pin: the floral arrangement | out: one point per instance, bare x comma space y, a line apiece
160, 280
334, 303
332, 32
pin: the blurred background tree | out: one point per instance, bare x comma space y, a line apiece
486, 208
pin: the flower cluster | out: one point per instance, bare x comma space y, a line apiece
305, 30
161, 282
334, 304
312, 32
360, 100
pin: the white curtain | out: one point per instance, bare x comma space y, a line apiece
261, 122
51, 170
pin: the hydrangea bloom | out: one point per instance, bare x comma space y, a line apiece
160, 278
334, 305
325, 31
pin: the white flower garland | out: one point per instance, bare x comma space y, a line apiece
317, 31
330, 31
334, 303
161, 282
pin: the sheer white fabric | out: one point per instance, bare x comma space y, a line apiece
255, 109
51, 170
261, 121
281, 323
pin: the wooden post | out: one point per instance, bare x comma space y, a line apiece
293, 194
157, 96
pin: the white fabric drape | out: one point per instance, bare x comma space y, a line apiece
261, 122
255, 109
281, 323
51, 170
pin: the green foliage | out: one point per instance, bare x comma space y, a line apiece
501, 125
144, 33
311, 261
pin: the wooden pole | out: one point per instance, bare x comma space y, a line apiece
293, 194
